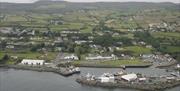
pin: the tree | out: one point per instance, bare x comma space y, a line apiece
146, 37
36, 47
105, 40
3, 44
4, 59
78, 51
70, 47
81, 49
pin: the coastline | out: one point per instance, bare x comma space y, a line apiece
60, 71
137, 86
109, 66
166, 65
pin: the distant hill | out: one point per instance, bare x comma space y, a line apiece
49, 6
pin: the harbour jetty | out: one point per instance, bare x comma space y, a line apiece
109, 66
130, 81
59, 70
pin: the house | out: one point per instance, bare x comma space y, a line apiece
56, 22
71, 57
129, 77
71, 32
149, 46
10, 47
14, 57
5, 30
142, 43
142, 79
112, 57
178, 66
58, 49
67, 57
147, 55
33, 62
82, 41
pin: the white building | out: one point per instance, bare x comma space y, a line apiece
142, 79
33, 62
178, 65
71, 57
129, 77
112, 57
106, 77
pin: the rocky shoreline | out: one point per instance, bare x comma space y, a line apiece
60, 71
139, 86
107, 66
166, 65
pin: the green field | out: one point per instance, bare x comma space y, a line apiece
137, 50
1, 55
175, 35
123, 62
113, 63
172, 49
32, 55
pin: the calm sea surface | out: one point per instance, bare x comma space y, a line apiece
21, 80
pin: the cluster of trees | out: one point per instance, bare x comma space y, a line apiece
146, 37
107, 40
160, 44
4, 59
34, 48
81, 49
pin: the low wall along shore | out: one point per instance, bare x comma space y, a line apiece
138, 86
61, 71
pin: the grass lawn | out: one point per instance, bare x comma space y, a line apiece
66, 26
1, 55
32, 55
87, 30
129, 35
15, 18
55, 6
29, 55
166, 34
117, 63
10, 62
114, 63
137, 50
172, 49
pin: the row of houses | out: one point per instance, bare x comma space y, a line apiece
32, 62
18, 32
65, 56
99, 57
163, 26
158, 59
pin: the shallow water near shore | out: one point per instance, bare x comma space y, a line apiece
22, 80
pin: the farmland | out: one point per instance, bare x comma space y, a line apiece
44, 28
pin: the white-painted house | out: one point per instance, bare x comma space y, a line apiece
178, 66
101, 57
33, 62
71, 57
